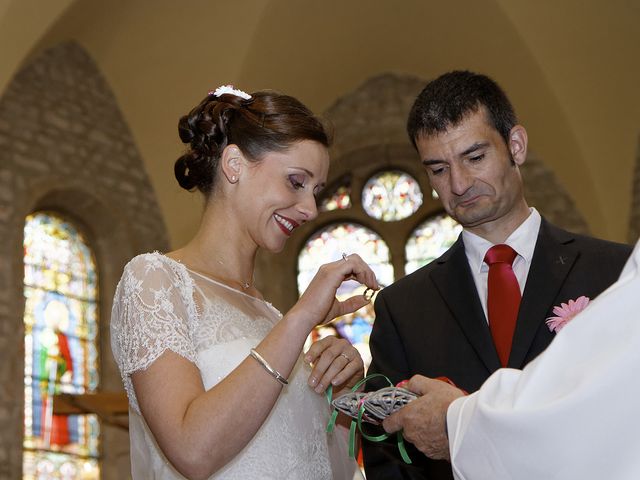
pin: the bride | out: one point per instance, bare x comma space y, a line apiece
216, 381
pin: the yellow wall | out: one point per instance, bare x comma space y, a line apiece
570, 67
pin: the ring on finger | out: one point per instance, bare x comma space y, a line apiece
344, 256
345, 356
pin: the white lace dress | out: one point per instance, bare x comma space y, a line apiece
159, 304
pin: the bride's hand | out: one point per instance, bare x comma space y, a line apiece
335, 362
319, 303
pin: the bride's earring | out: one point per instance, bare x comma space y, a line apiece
231, 163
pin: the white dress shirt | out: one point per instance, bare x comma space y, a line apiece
522, 240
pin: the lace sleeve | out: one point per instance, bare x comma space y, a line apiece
153, 310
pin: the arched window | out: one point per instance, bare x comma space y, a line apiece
391, 195
61, 349
390, 200
327, 245
338, 198
429, 240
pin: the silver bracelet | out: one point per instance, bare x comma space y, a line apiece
272, 371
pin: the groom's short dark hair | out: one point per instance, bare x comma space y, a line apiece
445, 101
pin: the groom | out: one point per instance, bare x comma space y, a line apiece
577, 421
447, 319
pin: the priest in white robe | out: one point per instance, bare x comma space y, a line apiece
573, 413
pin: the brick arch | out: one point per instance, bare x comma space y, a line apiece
64, 146
543, 191
375, 115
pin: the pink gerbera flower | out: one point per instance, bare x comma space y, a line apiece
565, 312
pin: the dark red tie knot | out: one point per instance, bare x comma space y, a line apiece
500, 253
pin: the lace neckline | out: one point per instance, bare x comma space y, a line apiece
205, 277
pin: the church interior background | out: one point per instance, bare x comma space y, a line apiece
90, 95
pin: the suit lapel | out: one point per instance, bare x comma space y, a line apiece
553, 257
457, 288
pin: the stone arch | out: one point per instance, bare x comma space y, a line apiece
64, 146
543, 191
375, 115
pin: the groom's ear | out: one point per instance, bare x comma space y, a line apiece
517, 144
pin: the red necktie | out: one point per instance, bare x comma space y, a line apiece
503, 298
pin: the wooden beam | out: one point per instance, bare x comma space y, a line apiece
111, 407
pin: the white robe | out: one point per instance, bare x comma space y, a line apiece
572, 413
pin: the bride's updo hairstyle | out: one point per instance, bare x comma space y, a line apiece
266, 122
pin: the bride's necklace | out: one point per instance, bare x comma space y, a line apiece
243, 283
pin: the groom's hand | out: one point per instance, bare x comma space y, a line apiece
423, 421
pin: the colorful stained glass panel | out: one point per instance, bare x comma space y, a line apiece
327, 245
391, 195
340, 199
430, 240
60, 318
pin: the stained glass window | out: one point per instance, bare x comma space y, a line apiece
391, 195
327, 245
340, 199
61, 353
430, 240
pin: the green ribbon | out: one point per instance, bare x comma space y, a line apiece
358, 422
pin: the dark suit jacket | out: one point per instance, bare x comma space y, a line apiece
431, 323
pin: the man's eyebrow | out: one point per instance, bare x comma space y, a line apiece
475, 147
426, 162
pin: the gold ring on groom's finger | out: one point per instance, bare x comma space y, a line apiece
344, 256
368, 294
345, 356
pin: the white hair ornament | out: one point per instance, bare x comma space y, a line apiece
228, 89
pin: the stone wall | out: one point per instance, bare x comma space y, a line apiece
65, 147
